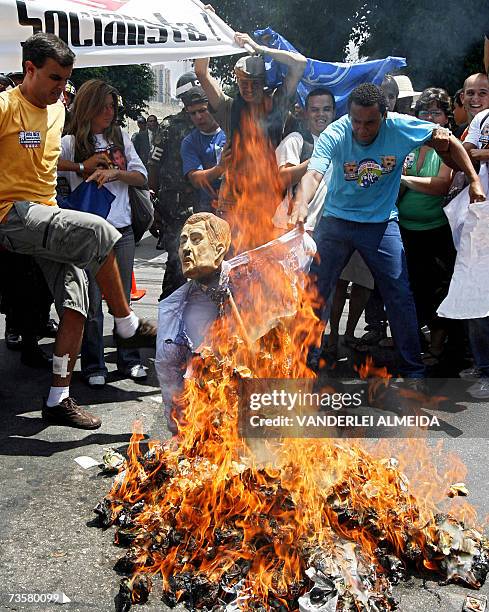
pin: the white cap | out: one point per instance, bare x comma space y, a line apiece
406, 87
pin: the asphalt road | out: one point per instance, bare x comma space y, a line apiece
47, 543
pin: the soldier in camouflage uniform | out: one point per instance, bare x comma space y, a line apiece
176, 197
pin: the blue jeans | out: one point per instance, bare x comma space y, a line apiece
92, 349
381, 247
479, 343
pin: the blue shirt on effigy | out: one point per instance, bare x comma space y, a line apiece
365, 182
201, 151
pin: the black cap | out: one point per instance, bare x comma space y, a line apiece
195, 95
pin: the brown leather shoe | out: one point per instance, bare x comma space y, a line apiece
69, 413
145, 336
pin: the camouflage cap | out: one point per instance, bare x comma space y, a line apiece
250, 67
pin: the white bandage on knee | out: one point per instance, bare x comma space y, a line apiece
60, 365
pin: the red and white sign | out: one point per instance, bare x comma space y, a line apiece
112, 32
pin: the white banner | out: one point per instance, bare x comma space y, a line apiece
112, 32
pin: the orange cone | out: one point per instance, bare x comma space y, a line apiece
136, 294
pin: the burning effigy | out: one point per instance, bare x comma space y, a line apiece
287, 524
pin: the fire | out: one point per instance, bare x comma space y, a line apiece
222, 519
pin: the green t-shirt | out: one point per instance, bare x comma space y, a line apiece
419, 211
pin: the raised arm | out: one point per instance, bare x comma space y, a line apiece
295, 62
211, 87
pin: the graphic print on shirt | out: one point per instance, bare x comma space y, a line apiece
484, 137
118, 157
409, 161
368, 171
30, 140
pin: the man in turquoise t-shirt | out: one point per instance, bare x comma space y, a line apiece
368, 147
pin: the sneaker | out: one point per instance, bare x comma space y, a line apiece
373, 337
96, 382
70, 414
472, 373
370, 339
145, 336
480, 389
138, 372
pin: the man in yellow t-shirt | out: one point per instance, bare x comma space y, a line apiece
63, 242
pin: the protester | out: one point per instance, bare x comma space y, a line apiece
140, 140
475, 97
152, 125
406, 96
62, 241
201, 150
250, 76
293, 155
375, 316
69, 94
294, 152
269, 109
176, 196
476, 144
93, 132
459, 114
425, 230
368, 147
390, 89
26, 320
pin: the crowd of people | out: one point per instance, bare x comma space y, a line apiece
370, 187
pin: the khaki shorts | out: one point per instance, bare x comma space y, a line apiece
63, 243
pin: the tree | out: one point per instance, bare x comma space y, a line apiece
442, 43
134, 83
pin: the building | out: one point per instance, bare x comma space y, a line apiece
162, 92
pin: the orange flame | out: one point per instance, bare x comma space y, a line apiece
213, 499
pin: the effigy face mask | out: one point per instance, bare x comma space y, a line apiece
201, 252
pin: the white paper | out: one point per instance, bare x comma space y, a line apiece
468, 296
87, 462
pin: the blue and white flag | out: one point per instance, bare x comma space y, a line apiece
339, 77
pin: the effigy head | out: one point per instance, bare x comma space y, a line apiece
204, 241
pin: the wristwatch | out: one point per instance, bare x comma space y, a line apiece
81, 168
